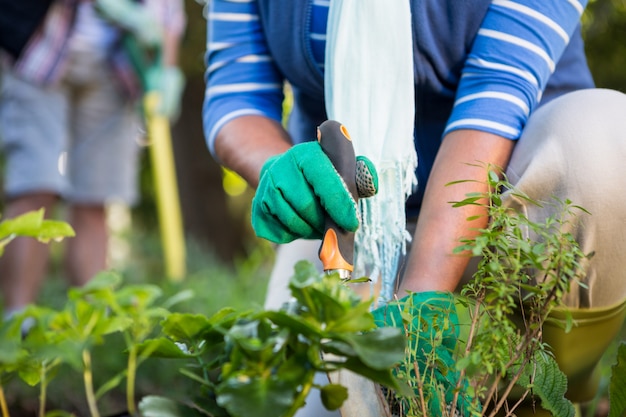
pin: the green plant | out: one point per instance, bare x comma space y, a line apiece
68, 336
524, 269
264, 362
257, 362
31, 224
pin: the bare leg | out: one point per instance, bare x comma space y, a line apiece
23, 265
86, 253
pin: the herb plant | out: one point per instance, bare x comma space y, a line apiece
524, 269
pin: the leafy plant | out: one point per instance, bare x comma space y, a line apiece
31, 224
257, 362
617, 388
264, 362
524, 269
67, 336
244, 362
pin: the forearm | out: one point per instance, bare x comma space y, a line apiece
245, 143
463, 153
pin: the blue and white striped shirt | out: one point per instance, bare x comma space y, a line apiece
513, 55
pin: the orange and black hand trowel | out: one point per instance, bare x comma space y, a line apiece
337, 249
337, 255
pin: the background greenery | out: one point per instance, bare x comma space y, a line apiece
227, 265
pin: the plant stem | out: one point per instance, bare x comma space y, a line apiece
42, 391
3, 403
130, 380
506, 392
420, 387
301, 398
88, 378
470, 338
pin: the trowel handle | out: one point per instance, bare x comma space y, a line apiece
337, 249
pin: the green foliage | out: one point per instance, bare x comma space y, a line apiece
33, 224
68, 336
243, 362
256, 362
604, 26
617, 388
152, 406
264, 362
549, 384
524, 269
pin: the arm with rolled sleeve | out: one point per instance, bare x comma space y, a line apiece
243, 100
513, 55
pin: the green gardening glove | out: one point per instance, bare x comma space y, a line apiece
431, 324
298, 189
169, 82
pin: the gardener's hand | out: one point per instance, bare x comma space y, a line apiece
298, 189
430, 322
169, 82
133, 17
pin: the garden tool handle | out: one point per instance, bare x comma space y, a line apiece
337, 249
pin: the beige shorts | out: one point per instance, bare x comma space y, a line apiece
78, 139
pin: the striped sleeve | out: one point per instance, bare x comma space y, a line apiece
317, 36
514, 53
241, 78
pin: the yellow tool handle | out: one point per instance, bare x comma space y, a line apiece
166, 189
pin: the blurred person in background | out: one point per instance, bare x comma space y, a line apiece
69, 122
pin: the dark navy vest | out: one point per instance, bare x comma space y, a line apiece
443, 34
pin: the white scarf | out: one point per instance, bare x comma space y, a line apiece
370, 89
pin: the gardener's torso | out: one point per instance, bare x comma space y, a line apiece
444, 31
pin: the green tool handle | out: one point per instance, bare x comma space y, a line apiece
337, 249
142, 59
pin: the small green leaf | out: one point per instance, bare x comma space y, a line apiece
177, 298
155, 406
550, 384
105, 280
54, 230
27, 224
379, 349
164, 348
32, 224
333, 396
617, 388
305, 274
296, 323
384, 377
245, 396
185, 326
493, 177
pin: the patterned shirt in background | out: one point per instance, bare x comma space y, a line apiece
42, 60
